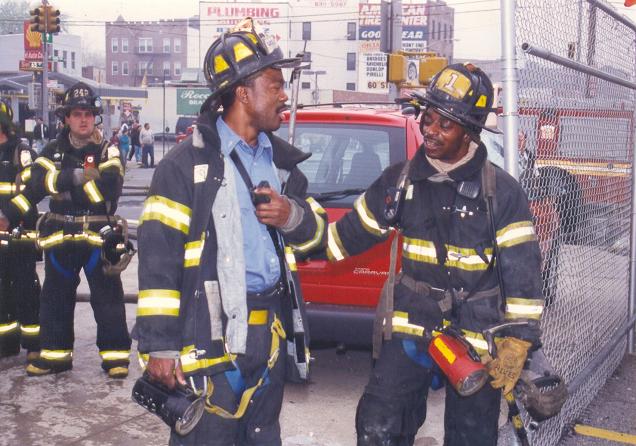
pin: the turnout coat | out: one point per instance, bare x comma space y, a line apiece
191, 253
447, 244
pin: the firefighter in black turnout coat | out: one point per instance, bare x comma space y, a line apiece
448, 275
83, 177
219, 299
19, 284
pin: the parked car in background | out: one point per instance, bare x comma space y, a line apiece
183, 122
350, 147
181, 136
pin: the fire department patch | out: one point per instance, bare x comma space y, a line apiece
200, 173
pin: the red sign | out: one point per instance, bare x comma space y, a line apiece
32, 39
33, 55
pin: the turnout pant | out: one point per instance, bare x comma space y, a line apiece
62, 267
393, 406
19, 299
259, 425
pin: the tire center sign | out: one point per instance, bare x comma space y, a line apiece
372, 65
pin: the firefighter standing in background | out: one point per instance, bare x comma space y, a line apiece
219, 299
448, 274
84, 179
19, 284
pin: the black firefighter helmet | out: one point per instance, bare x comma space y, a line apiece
79, 95
239, 53
462, 93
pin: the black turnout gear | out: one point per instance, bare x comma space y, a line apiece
19, 283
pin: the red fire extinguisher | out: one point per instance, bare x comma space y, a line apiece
458, 361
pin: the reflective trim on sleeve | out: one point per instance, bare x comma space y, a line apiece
92, 192
50, 180
518, 307
114, 355
46, 163
320, 227
290, 258
366, 217
515, 234
158, 303
22, 203
113, 162
9, 327
57, 355
192, 253
168, 212
335, 249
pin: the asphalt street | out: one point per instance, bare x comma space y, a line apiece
84, 407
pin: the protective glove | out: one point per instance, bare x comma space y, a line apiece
91, 173
78, 177
508, 363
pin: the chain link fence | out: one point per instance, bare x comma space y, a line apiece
576, 141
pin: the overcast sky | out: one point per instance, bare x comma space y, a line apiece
476, 21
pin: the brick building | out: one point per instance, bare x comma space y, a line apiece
150, 50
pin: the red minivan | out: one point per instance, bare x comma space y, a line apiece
351, 146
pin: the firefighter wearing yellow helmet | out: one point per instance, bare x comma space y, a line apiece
449, 278
219, 298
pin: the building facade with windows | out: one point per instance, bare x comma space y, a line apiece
66, 53
340, 38
142, 53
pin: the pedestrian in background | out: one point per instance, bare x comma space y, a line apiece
147, 140
135, 148
40, 132
124, 145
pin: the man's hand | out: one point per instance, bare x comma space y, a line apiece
506, 367
91, 173
78, 177
276, 212
163, 370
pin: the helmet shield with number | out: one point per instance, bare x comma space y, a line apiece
462, 93
79, 95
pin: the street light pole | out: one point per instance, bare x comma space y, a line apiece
45, 69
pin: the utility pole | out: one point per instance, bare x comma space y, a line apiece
391, 38
45, 68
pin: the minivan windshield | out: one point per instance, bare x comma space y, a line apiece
346, 158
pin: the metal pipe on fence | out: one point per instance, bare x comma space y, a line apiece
613, 13
547, 55
510, 85
631, 305
129, 298
602, 355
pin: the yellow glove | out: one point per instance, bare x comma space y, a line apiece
506, 367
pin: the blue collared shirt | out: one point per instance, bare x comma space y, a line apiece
261, 262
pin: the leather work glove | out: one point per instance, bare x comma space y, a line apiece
91, 173
508, 363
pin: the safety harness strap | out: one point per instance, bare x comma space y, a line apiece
278, 333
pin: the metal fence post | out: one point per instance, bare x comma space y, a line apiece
631, 307
510, 85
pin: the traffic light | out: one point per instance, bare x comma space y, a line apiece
396, 68
53, 22
37, 20
429, 67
